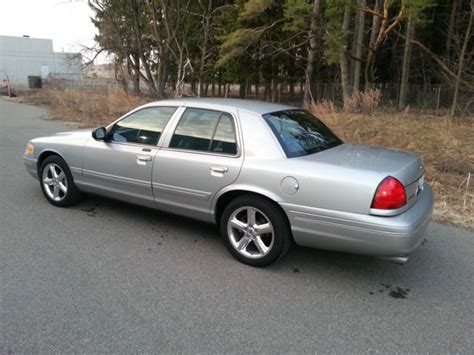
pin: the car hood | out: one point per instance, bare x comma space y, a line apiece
77, 133
405, 166
76, 137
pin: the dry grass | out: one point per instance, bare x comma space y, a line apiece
363, 102
85, 108
446, 146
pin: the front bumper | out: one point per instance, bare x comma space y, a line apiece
31, 165
362, 234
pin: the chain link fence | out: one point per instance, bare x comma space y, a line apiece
431, 97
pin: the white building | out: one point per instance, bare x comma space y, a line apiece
21, 57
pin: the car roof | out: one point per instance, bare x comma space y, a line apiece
258, 107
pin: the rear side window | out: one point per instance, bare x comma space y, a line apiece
205, 131
144, 126
300, 133
224, 138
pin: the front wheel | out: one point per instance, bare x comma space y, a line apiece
57, 183
255, 231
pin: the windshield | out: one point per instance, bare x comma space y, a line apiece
300, 133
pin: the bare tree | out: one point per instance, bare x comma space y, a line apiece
386, 26
206, 28
375, 29
344, 62
311, 57
133, 67
452, 20
135, 13
176, 24
162, 43
359, 43
467, 37
406, 63
115, 37
448, 73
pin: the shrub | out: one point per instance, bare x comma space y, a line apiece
323, 108
363, 102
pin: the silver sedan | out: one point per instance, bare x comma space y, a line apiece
268, 175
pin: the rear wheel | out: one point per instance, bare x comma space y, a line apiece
255, 231
57, 183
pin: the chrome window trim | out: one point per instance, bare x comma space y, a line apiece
138, 145
172, 129
201, 152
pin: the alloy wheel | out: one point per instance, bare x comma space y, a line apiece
250, 232
54, 182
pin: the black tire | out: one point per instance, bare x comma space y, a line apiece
69, 198
282, 237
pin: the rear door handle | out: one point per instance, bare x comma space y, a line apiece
218, 171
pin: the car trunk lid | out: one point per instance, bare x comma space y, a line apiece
406, 167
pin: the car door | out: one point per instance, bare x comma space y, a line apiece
121, 166
200, 158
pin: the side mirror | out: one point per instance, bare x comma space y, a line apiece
99, 134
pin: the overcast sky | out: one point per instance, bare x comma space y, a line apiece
66, 22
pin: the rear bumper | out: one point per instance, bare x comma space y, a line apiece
30, 165
362, 234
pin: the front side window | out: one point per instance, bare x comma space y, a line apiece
300, 133
205, 131
143, 127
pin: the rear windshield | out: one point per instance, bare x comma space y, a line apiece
300, 133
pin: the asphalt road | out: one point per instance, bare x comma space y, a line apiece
109, 277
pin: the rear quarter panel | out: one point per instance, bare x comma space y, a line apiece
320, 185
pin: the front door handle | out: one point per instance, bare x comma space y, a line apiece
142, 159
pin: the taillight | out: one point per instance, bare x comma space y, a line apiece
390, 195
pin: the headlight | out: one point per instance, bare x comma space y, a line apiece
30, 149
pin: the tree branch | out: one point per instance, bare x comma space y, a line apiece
450, 74
370, 11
